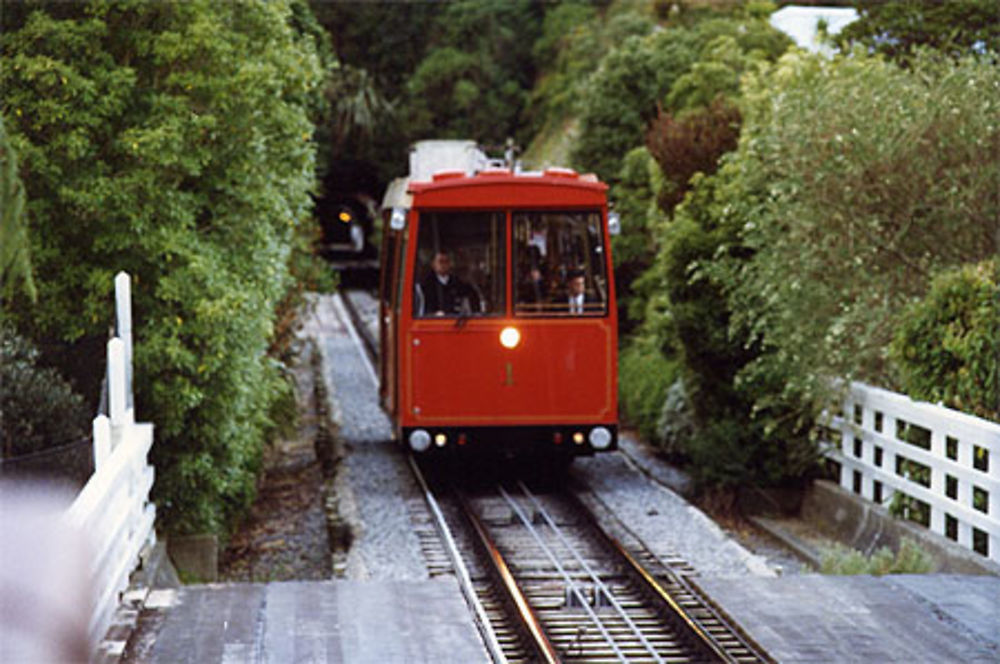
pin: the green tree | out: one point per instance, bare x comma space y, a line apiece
38, 408
15, 261
946, 347
174, 141
955, 27
474, 80
633, 81
877, 177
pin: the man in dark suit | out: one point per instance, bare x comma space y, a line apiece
441, 293
576, 287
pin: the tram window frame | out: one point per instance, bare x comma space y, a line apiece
389, 256
559, 264
400, 273
478, 261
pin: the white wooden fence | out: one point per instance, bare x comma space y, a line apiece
946, 460
113, 508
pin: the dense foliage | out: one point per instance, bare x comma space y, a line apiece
15, 260
955, 27
38, 408
947, 345
174, 141
876, 177
671, 70
789, 266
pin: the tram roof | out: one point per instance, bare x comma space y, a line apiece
401, 191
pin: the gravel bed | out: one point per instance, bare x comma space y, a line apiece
667, 524
284, 537
777, 556
376, 478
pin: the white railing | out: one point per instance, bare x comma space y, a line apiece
897, 451
113, 509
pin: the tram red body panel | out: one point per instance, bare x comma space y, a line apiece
451, 373
560, 372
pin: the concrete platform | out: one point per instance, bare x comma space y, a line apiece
319, 621
906, 618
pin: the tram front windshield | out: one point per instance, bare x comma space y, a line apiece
461, 264
559, 265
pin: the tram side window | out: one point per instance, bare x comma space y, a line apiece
559, 264
460, 264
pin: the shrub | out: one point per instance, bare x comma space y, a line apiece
863, 204
38, 408
910, 559
691, 143
634, 249
644, 377
947, 345
622, 96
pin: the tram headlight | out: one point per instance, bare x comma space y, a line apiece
600, 438
510, 337
420, 440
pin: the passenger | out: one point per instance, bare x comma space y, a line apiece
536, 289
576, 292
441, 293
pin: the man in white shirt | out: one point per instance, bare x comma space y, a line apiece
576, 285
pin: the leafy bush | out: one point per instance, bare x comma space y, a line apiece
910, 559
473, 82
947, 345
634, 249
173, 141
644, 376
15, 262
691, 143
895, 29
622, 96
863, 204
38, 408
787, 266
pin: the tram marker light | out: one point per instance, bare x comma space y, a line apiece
510, 337
600, 438
397, 221
578, 438
420, 440
440, 440
614, 223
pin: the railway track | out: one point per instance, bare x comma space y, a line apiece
550, 578
556, 587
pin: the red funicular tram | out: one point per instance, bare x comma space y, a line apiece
497, 319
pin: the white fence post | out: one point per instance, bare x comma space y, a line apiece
102, 440
123, 315
113, 509
955, 472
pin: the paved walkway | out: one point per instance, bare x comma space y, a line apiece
930, 619
319, 621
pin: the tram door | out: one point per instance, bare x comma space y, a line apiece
390, 296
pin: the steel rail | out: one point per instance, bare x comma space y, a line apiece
464, 579
590, 572
698, 636
543, 647
574, 588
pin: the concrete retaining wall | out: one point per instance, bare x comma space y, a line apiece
865, 526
